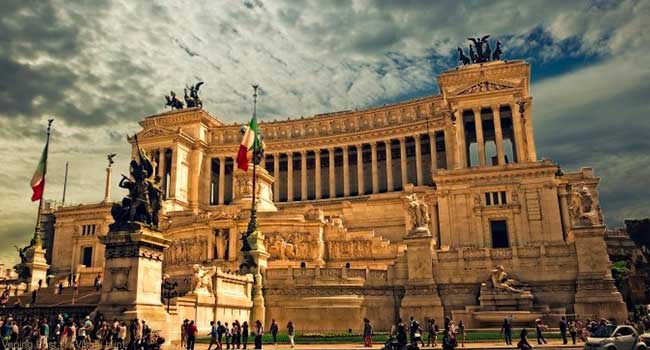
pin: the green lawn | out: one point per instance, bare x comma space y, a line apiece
341, 338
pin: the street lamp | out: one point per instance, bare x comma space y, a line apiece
169, 291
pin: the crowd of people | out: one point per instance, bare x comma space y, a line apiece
69, 333
448, 338
234, 335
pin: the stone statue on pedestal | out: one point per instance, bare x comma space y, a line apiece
418, 212
499, 279
583, 208
202, 279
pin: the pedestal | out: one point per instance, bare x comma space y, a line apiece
421, 298
596, 295
37, 266
243, 186
132, 280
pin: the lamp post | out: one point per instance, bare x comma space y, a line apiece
169, 291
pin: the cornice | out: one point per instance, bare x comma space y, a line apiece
181, 117
511, 172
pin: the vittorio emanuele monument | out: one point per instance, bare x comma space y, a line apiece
437, 206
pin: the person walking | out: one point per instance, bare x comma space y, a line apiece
43, 334
539, 330
34, 293
461, 333
563, 330
291, 331
523, 341
448, 340
573, 331
401, 333
186, 322
506, 330
274, 331
244, 334
236, 334
191, 335
221, 330
432, 333
259, 332
213, 336
227, 334
367, 333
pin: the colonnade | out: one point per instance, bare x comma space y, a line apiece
335, 163
475, 112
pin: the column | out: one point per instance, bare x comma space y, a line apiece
375, 178
360, 183
418, 159
222, 179
161, 164
303, 175
434, 223
530, 137
290, 177
564, 209
433, 151
519, 137
449, 148
332, 184
478, 125
319, 192
107, 190
389, 167
346, 172
402, 158
461, 148
172, 174
276, 175
498, 134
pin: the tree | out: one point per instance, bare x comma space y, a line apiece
639, 231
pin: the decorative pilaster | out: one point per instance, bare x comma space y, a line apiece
303, 175
418, 159
290, 177
332, 180
360, 182
496, 115
375, 177
478, 125
346, 172
389, 166
319, 190
402, 158
276, 175
564, 210
461, 147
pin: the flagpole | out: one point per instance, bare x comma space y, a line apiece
37, 240
252, 224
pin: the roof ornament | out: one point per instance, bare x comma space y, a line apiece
480, 51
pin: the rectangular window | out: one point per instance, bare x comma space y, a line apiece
499, 230
488, 199
495, 198
87, 256
503, 198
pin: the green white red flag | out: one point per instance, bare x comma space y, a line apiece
250, 142
38, 180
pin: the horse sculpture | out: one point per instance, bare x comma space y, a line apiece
173, 101
462, 58
496, 55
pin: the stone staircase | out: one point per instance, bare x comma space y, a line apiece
50, 297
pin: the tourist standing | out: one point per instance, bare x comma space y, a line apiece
98, 282
461, 333
367, 333
432, 330
221, 330
259, 332
291, 331
244, 334
121, 336
34, 296
506, 330
573, 331
184, 333
523, 341
274, 331
539, 330
191, 335
401, 333
43, 334
448, 340
228, 335
236, 334
213, 336
563, 330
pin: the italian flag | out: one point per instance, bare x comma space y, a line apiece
249, 143
38, 180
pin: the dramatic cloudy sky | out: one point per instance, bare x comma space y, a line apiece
101, 66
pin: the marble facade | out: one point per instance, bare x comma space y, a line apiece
340, 239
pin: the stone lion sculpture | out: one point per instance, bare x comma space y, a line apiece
202, 279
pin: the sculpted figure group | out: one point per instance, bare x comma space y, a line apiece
583, 208
418, 211
202, 279
480, 51
191, 100
143, 203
